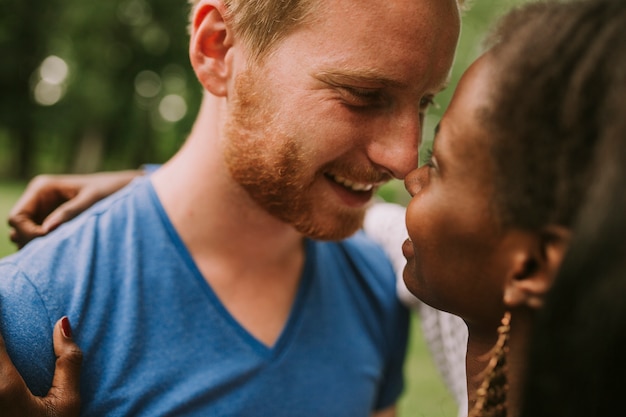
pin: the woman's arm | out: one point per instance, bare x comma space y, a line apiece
50, 200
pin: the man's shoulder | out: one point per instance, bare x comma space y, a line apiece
360, 276
106, 216
101, 229
362, 247
137, 195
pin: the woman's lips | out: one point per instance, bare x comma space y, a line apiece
407, 249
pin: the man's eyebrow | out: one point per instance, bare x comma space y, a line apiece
358, 76
366, 76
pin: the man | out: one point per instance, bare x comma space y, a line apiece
228, 307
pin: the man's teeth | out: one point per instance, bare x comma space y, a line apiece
355, 186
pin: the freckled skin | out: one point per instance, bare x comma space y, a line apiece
277, 180
296, 123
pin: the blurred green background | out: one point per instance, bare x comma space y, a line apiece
105, 85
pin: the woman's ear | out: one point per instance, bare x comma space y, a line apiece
534, 266
211, 40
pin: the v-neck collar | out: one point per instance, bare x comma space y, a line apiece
295, 314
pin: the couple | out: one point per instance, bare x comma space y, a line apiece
490, 220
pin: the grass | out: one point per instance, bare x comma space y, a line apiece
9, 193
424, 396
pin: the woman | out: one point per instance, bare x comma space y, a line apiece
493, 210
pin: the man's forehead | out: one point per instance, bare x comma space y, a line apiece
404, 49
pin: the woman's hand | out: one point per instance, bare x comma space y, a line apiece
50, 200
63, 399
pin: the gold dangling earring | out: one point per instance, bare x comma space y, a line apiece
491, 396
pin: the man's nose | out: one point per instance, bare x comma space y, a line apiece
394, 146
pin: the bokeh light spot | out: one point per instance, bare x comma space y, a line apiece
147, 84
53, 70
47, 94
172, 108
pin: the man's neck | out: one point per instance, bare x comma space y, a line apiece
209, 210
252, 260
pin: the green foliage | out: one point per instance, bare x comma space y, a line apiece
425, 394
97, 105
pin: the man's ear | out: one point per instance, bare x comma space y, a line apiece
535, 263
211, 40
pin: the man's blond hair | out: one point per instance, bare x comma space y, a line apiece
260, 24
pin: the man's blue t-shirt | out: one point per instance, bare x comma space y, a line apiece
158, 342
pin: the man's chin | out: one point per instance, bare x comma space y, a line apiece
342, 228
330, 236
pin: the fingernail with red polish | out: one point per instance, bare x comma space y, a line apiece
66, 328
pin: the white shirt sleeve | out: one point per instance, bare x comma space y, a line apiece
445, 334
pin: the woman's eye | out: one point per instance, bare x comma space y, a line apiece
426, 159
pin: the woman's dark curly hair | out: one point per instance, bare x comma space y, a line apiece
559, 154
559, 63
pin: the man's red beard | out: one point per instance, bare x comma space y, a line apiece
275, 171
